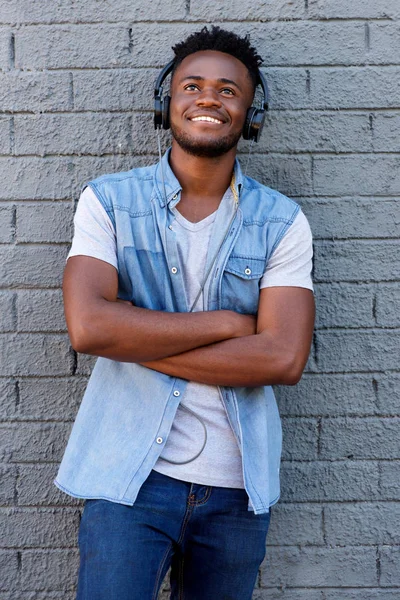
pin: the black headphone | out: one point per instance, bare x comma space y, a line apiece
255, 117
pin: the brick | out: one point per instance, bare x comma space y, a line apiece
8, 569
349, 351
29, 91
7, 225
50, 398
39, 527
341, 9
384, 128
38, 178
8, 398
246, 10
5, 42
72, 46
300, 43
314, 131
329, 395
383, 38
35, 487
344, 305
49, 570
388, 393
40, 310
330, 481
32, 266
300, 437
8, 475
388, 305
320, 567
362, 524
295, 525
34, 441
340, 175
288, 88
390, 483
357, 261
56, 11
365, 437
5, 125
115, 89
50, 178
51, 134
45, 222
34, 354
343, 218
390, 560
7, 311
354, 87
290, 175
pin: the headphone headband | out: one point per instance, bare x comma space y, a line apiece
255, 117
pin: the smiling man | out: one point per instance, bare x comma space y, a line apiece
191, 283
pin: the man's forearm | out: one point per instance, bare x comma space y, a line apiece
126, 333
247, 361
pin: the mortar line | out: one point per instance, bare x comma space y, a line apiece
12, 51
367, 37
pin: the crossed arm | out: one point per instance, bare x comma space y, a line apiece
216, 347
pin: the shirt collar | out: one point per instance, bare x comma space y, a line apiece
168, 187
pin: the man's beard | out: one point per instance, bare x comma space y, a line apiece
205, 148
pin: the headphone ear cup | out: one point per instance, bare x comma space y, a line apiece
165, 112
158, 112
248, 122
257, 124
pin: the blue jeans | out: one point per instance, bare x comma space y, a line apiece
213, 544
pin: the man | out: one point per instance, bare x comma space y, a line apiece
191, 282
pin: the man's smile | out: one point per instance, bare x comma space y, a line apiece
206, 119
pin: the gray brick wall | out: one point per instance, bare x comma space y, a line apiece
75, 102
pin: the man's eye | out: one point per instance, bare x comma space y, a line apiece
228, 91
191, 87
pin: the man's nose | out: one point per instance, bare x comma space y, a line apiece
208, 97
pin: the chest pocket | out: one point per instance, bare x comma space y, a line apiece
240, 284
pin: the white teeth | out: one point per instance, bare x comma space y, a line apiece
208, 119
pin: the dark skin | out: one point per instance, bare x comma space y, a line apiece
215, 347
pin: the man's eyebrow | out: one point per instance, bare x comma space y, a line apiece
221, 80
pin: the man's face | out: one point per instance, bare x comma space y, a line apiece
210, 94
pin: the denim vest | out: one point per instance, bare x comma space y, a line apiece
127, 411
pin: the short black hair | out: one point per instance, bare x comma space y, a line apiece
222, 41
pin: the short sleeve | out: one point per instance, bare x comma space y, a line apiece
94, 233
291, 263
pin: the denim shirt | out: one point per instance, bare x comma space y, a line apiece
127, 410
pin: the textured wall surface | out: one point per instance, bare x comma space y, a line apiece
76, 84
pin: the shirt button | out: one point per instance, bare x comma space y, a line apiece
176, 393
159, 440
247, 271
174, 270
174, 197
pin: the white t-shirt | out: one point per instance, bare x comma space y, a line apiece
220, 463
